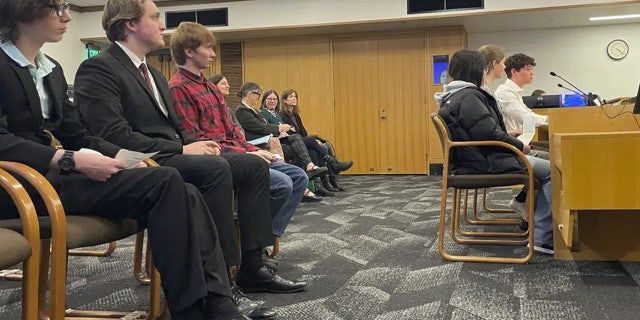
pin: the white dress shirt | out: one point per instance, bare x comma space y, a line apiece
514, 111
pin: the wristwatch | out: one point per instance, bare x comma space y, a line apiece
66, 164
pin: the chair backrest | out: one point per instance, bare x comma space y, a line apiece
445, 141
441, 129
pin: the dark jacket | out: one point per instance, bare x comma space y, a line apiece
472, 114
115, 102
296, 124
254, 125
21, 123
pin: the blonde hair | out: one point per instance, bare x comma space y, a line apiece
116, 13
491, 53
189, 35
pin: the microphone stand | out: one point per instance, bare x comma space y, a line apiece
589, 96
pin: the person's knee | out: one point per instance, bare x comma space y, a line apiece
299, 178
168, 174
280, 183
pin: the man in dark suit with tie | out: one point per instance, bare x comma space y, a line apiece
128, 103
34, 98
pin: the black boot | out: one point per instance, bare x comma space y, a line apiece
327, 184
333, 179
337, 166
320, 190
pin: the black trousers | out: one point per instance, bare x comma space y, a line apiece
216, 177
316, 151
184, 239
297, 150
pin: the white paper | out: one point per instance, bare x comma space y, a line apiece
261, 140
132, 158
528, 130
87, 150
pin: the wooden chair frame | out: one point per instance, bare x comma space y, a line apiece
59, 254
31, 231
484, 221
447, 145
111, 247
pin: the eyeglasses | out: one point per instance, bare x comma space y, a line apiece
60, 8
257, 93
272, 99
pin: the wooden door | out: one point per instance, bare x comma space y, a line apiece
309, 73
402, 100
357, 118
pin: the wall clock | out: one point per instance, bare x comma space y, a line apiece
617, 49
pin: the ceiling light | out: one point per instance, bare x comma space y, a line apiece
624, 16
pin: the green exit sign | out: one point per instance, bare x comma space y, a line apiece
92, 52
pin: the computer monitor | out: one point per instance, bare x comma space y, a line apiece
574, 100
636, 106
545, 101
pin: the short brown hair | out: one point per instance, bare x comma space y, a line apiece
491, 53
116, 13
23, 11
189, 36
517, 62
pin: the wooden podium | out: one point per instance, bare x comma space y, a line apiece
595, 178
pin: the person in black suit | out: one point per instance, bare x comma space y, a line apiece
128, 103
33, 88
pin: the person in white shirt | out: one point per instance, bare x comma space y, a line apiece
495, 65
519, 70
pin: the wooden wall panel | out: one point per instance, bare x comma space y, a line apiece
355, 78
163, 61
264, 62
403, 109
309, 72
230, 62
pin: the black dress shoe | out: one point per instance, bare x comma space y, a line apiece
244, 304
248, 307
266, 280
261, 313
317, 172
311, 198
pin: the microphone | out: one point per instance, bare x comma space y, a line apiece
576, 92
591, 98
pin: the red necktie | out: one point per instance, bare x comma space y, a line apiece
145, 73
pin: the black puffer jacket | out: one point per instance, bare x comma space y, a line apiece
472, 114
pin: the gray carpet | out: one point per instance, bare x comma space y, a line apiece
371, 253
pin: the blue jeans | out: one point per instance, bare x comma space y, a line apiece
286, 188
543, 226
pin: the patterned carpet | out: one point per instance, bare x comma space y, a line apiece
371, 253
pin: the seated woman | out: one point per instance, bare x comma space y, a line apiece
472, 114
291, 116
223, 85
255, 126
270, 110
